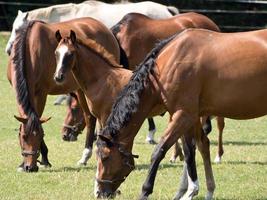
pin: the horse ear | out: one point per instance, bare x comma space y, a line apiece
58, 36
21, 119
26, 15
19, 12
106, 137
72, 36
43, 120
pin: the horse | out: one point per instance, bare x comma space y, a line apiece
192, 74
129, 29
109, 14
28, 63
74, 121
135, 28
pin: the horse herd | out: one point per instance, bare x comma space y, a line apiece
123, 75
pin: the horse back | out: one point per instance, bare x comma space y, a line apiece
222, 74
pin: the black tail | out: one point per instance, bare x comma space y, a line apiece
21, 85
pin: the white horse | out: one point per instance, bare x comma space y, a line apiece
109, 14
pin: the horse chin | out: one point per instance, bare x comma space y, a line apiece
31, 168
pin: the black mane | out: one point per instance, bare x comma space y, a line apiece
21, 85
129, 98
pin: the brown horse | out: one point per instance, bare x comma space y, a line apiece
196, 73
74, 121
135, 29
31, 69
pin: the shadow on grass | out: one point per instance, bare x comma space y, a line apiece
162, 166
239, 143
67, 169
245, 163
218, 198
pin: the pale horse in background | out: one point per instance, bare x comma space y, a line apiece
108, 14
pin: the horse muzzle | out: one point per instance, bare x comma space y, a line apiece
59, 77
28, 168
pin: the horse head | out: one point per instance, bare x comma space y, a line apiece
121, 162
74, 122
30, 140
65, 55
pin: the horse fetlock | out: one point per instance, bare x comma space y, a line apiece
190, 193
209, 195
87, 153
179, 194
218, 159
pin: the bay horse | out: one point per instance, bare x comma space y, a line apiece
31, 68
134, 29
198, 72
128, 33
109, 14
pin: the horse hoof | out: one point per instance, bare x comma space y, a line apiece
217, 160
81, 164
151, 141
172, 160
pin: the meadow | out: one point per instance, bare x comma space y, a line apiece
241, 175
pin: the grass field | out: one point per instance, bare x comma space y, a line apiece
242, 174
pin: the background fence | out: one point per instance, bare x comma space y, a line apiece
230, 15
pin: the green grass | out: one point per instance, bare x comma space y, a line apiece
242, 175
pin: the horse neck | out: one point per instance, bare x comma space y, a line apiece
98, 79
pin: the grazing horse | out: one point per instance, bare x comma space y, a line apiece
31, 75
74, 122
198, 72
109, 14
129, 31
135, 29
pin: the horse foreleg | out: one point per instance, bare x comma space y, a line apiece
40, 100
152, 130
179, 121
220, 125
203, 144
90, 121
44, 152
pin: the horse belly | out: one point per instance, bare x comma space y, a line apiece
237, 99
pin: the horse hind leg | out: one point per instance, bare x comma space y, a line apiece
203, 144
180, 121
177, 152
152, 129
220, 125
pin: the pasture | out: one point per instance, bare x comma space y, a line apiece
242, 174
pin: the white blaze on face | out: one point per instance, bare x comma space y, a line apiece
62, 50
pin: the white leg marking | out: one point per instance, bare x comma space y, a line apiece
150, 136
217, 159
87, 153
192, 190
183, 184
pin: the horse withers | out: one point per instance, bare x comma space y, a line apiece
34, 43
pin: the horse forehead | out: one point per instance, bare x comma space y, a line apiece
62, 49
